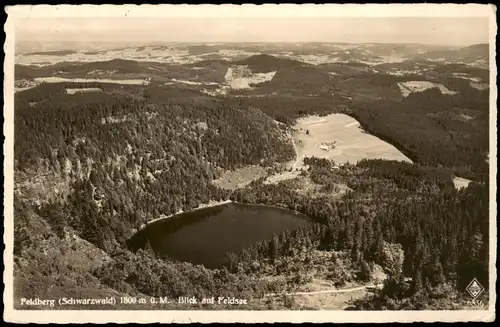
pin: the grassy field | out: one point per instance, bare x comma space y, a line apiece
239, 178
314, 135
336, 137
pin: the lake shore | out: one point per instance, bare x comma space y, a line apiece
215, 204
201, 206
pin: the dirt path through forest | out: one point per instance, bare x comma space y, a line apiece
342, 290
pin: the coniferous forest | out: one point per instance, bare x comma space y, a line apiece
92, 169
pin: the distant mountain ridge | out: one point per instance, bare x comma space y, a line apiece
264, 63
467, 54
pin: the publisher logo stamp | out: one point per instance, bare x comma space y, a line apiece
475, 288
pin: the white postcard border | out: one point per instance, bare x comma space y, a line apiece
20, 12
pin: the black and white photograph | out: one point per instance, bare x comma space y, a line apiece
250, 163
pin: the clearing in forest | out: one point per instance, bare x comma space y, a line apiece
407, 88
239, 178
83, 90
337, 137
461, 182
55, 79
340, 138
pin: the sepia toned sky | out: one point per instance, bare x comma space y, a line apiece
430, 30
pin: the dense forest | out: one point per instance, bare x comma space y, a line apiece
141, 160
442, 233
448, 130
92, 168
432, 133
121, 161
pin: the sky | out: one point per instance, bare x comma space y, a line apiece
430, 30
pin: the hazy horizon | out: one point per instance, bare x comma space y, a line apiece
446, 31
248, 42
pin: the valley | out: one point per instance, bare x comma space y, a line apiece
172, 170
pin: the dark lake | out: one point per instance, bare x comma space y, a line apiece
206, 235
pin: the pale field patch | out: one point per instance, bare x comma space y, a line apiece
239, 178
336, 137
467, 76
479, 86
461, 182
407, 88
466, 117
83, 90
55, 79
23, 84
239, 77
175, 80
351, 144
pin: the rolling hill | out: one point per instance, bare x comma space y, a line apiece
470, 54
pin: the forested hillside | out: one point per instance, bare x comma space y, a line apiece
115, 146
93, 168
439, 234
120, 162
427, 126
